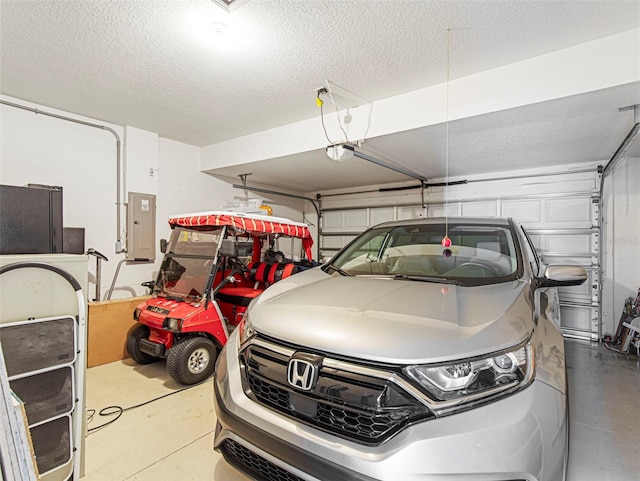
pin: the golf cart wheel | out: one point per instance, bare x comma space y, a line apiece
133, 345
192, 359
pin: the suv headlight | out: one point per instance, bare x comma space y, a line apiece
245, 330
476, 380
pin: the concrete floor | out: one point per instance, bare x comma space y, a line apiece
604, 390
171, 439
167, 440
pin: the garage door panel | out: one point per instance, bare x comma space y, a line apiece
568, 243
382, 214
571, 212
440, 210
333, 220
523, 210
345, 220
357, 219
579, 321
410, 212
480, 209
575, 318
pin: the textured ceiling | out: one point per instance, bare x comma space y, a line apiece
157, 65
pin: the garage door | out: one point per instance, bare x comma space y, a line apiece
559, 211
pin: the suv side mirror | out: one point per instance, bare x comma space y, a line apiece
562, 275
163, 245
227, 248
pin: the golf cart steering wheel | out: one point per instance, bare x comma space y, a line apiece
237, 265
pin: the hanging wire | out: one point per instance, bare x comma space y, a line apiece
365, 101
335, 100
446, 154
335, 107
320, 103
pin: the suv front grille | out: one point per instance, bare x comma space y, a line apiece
350, 405
253, 464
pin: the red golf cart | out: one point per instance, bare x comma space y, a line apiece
215, 264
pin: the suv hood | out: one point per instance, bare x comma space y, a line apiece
393, 321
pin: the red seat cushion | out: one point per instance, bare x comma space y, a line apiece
259, 271
278, 272
240, 296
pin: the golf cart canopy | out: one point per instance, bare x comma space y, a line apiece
253, 224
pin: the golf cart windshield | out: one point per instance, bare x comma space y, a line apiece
478, 255
186, 266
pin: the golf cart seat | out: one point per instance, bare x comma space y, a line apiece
239, 296
263, 275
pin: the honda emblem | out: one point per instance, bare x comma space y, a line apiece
302, 374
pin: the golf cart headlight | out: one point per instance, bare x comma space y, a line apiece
136, 313
245, 330
172, 324
473, 379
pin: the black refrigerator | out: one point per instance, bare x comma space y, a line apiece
31, 219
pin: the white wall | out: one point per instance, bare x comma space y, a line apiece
81, 159
184, 189
621, 243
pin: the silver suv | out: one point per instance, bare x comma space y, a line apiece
425, 350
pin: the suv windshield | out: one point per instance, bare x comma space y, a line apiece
479, 254
188, 261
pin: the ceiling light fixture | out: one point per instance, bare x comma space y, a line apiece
230, 5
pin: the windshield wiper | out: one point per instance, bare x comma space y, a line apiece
439, 280
338, 270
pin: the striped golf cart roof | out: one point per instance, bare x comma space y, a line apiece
254, 224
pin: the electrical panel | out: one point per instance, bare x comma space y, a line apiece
141, 227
